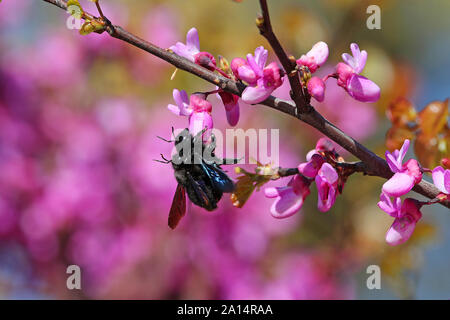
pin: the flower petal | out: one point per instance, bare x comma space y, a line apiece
447, 181
319, 52
271, 192
311, 168
392, 162
350, 61
398, 185
316, 88
253, 95
363, 89
403, 151
329, 173
400, 231
439, 179
246, 73
199, 121
261, 55
287, 204
233, 115
192, 40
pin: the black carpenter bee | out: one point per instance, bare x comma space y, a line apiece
198, 173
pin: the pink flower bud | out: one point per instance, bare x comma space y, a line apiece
206, 60
316, 88
315, 58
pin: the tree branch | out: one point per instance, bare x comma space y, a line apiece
374, 164
265, 28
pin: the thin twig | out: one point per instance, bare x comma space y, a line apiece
373, 163
266, 30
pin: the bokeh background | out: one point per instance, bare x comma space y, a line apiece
79, 116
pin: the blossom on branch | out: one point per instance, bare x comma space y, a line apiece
406, 217
191, 51
309, 63
327, 182
262, 80
196, 108
405, 175
289, 199
349, 78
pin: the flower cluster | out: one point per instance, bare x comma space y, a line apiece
406, 176
289, 199
191, 51
322, 164
347, 73
262, 79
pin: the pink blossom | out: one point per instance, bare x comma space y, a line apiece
191, 48
315, 57
405, 175
357, 86
289, 199
196, 108
316, 88
441, 179
262, 80
191, 51
406, 216
326, 181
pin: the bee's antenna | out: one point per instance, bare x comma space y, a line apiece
169, 141
173, 132
165, 160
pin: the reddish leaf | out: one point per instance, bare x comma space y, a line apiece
433, 118
401, 112
396, 136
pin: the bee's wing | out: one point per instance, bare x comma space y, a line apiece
219, 179
178, 208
